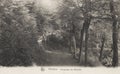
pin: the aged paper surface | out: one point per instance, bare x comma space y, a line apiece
59, 36
59, 70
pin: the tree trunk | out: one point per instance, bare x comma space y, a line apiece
70, 45
115, 44
86, 46
74, 45
88, 20
102, 48
114, 35
85, 28
74, 38
81, 42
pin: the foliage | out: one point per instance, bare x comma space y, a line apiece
23, 24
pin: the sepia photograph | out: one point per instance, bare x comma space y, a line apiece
60, 33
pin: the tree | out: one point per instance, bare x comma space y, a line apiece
68, 17
86, 24
103, 39
115, 33
18, 36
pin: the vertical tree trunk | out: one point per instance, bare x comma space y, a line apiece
74, 39
74, 46
87, 20
70, 44
81, 42
102, 48
115, 44
86, 46
114, 35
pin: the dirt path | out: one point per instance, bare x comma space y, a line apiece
58, 58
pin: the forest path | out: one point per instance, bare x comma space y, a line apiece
60, 58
